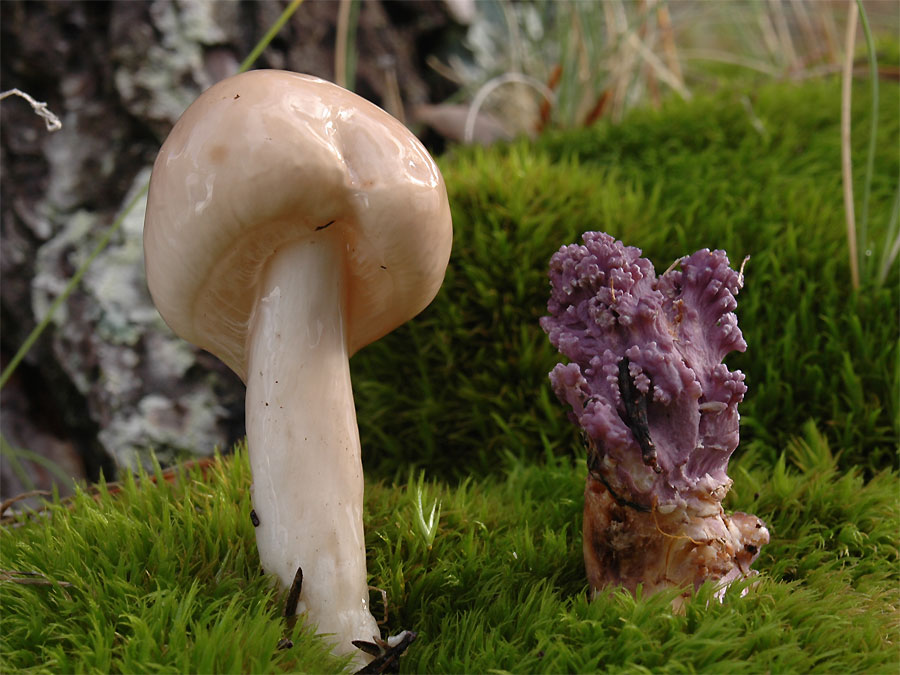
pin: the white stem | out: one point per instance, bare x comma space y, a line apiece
303, 439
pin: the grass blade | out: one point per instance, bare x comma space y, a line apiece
14, 454
846, 164
10, 454
67, 291
891, 240
873, 136
269, 36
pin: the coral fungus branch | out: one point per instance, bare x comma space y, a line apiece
647, 385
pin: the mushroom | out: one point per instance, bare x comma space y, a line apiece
658, 407
289, 224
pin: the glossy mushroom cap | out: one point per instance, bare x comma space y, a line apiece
269, 157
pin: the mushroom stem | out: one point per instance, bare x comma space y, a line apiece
303, 440
682, 547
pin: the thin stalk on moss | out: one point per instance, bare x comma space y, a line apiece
891, 240
865, 253
891, 246
846, 163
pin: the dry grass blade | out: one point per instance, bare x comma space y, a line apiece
384, 602
204, 465
40, 108
720, 56
28, 578
659, 67
784, 34
488, 87
668, 41
25, 495
340, 47
846, 165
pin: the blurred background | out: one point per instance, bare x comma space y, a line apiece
106, 381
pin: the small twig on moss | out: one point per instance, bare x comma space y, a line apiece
26, 578
204, 464
33, 578
40, 108
384, 602
25, 495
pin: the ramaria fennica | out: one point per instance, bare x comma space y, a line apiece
658, 408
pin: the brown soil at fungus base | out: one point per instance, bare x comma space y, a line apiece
624, 546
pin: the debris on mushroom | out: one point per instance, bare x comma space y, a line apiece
658, 409
386, 653
289, 224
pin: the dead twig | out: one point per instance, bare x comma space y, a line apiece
25, 495
384, 602
30, 578
40, 108
205, 465
387, 653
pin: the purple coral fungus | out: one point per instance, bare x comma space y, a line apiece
658, 408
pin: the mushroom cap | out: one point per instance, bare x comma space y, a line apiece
269, 157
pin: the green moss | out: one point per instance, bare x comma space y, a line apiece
157, 577
166, 577
464, 385
503, 588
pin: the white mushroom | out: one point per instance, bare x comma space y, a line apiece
290, 223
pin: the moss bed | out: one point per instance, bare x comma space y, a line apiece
455, 408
